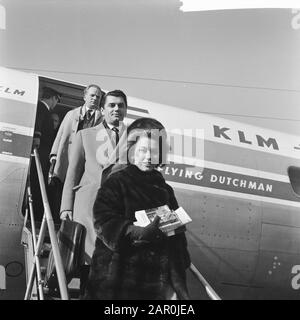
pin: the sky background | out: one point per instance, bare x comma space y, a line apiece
241, 65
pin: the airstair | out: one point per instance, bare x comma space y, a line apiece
39, 239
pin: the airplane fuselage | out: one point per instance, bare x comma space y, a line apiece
233, 181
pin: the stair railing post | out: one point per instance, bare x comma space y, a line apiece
209, 290
53, 238
36, 248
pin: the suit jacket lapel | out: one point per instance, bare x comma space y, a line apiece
122, 129
76, 118
98, 117
104, 135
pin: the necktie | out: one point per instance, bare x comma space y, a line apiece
88, 115
86, 121
116, 130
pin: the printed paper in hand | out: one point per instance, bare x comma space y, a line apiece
171, 222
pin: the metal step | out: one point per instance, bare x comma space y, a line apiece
73, 290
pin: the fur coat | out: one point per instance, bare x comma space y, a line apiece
120, 270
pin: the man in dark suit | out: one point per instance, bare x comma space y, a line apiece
42, 140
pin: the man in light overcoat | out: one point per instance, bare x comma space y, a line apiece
74, 121
90, 154
83, 117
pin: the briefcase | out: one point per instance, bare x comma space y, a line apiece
71, 240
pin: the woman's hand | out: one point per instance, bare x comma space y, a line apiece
146, 235
152, 233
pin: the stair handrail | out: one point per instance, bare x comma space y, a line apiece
46, 222
209, 290
36, 260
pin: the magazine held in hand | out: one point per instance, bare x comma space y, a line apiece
171, 222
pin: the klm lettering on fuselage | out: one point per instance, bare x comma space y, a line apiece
225, 133
13, 91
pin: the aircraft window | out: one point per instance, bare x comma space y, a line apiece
294, 175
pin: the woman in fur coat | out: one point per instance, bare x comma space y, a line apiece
131, 262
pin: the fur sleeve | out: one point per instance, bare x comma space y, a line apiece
172, 199
109, 220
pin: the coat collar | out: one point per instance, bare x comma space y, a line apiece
80, 111
121, 127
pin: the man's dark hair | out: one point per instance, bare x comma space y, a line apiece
114, 93
50, 92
